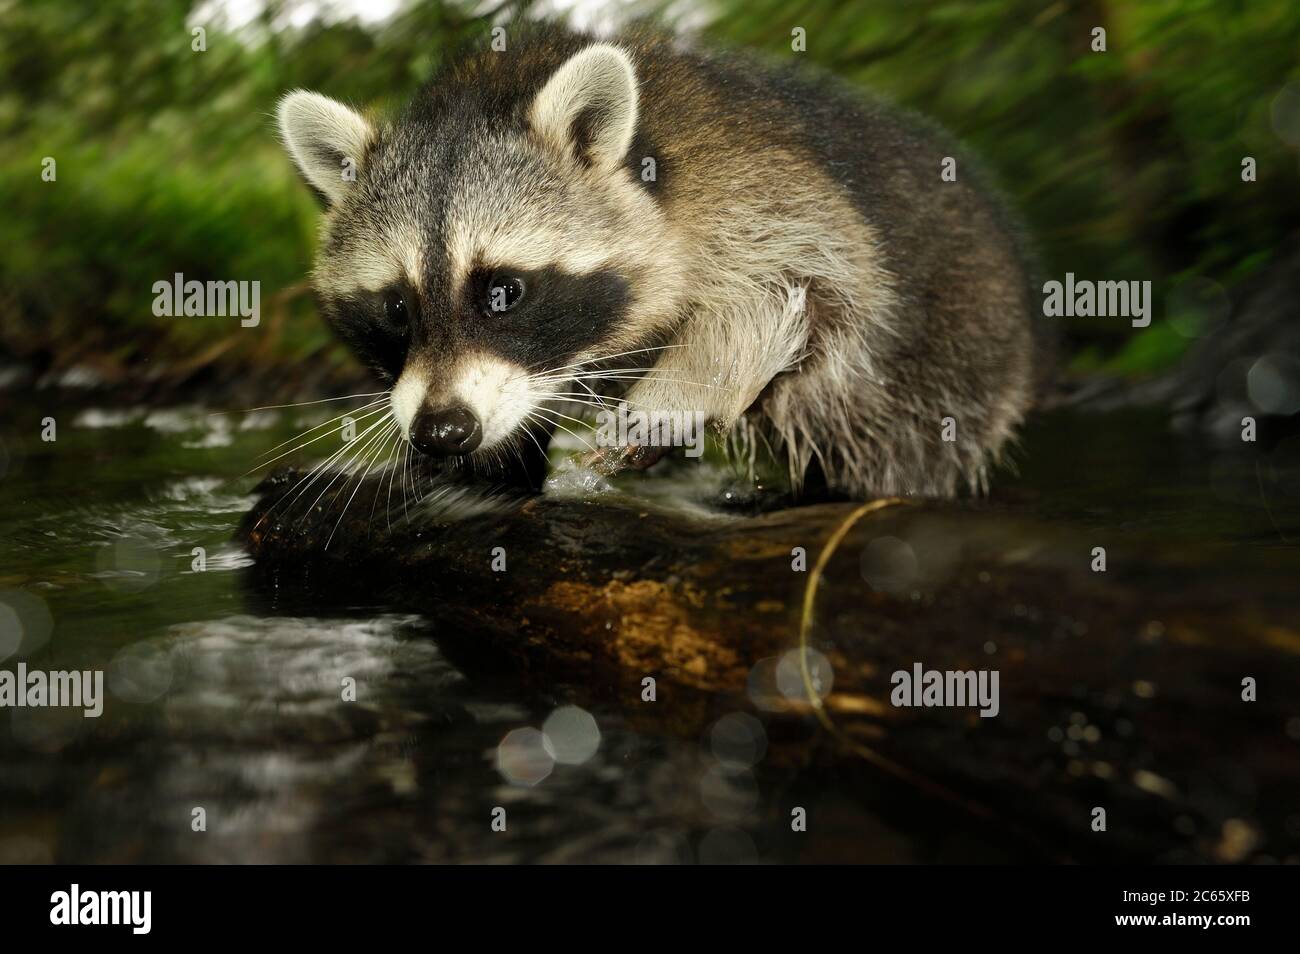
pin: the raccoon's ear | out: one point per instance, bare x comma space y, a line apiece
326, 139
587, 109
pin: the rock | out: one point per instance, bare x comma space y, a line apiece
1107, 680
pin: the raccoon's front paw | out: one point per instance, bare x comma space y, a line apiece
612, 460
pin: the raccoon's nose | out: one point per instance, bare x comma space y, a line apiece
445, 432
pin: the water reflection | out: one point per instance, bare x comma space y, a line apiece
252, 728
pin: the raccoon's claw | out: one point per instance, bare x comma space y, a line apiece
602, 462
643, 458
612, 460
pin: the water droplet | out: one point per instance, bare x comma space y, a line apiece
889, 565
790, 675
25, 623
738, 740
571, 735
522, 758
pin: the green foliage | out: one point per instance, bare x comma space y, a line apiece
84, 251
167, 161
1126, 164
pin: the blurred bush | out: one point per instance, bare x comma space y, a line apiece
1126, 163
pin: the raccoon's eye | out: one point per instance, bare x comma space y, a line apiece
504, 291
395, 309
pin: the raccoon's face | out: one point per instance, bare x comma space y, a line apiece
476, 263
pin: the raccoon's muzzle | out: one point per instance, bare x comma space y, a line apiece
446, 432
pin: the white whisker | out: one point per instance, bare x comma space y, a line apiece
384, 435
611, 357
369, 413
320, 469
277, 407
545, 420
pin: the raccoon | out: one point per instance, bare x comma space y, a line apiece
572, 218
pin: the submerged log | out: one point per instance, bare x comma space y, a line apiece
1119, 690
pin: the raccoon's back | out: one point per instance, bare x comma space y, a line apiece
887, 160
736, 117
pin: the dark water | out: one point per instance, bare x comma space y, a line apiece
230, 701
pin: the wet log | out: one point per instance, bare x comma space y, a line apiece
1118, 689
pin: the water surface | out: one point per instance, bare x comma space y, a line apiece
228, 700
